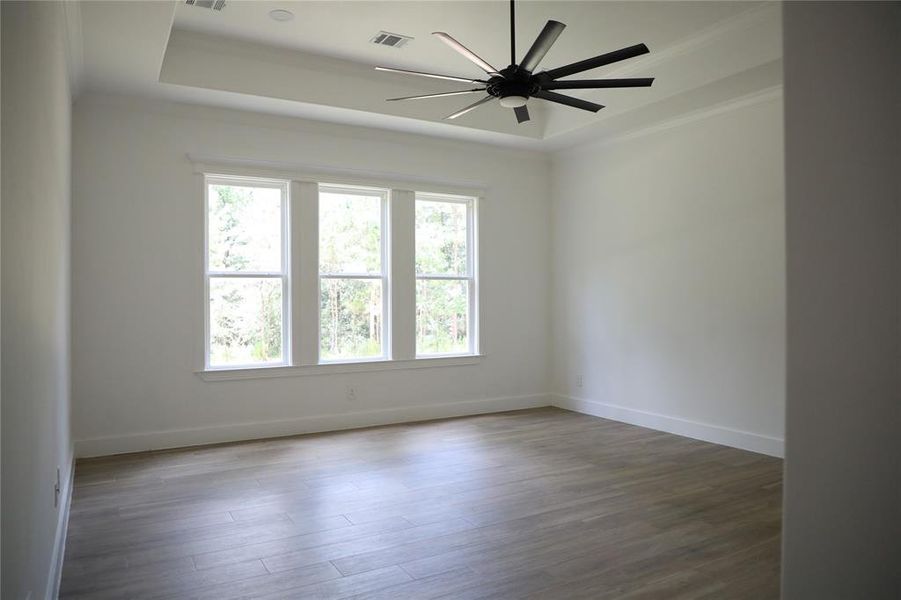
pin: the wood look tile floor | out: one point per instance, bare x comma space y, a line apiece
530, 504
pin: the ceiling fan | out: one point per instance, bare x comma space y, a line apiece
515, 84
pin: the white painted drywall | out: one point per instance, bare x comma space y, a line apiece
36, 112
842, 512
668, 277
137, 279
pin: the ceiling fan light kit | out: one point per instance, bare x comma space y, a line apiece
514, 85
513, 101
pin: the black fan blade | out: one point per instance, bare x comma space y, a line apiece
543, 43
568, 100
469, 54
597, 61
475, 104
589, 84
522, 114
437, 95
432, 75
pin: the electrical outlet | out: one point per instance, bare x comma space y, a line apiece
56, 490
579, 382
350, 393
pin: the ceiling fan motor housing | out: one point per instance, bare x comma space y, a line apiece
515, 82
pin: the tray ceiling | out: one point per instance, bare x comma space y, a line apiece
319, 64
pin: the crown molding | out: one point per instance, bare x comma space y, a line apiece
747, 26
757, 97
751, 99
706, 37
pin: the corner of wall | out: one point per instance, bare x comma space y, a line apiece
641, 239
62, 526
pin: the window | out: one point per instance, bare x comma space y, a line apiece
352, 267
325, 277
247, 288
445, 275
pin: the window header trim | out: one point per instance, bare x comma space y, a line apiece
213, 166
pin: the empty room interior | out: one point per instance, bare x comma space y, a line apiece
450, 299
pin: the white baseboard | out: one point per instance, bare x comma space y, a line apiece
744, 440
62, 526
177, 438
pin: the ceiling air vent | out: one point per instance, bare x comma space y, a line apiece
395, 40
211, 4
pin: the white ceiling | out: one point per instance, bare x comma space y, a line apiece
343, 29
320, 64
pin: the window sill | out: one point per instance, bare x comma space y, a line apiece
336, 368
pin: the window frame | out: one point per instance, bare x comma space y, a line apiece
384, 275
471, 276
284, 274
300, 311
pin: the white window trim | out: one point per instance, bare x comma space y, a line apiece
336, 368
312, 173
384, 276
300, 318
284, 274
471, 276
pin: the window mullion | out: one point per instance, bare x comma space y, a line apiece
403, 274
305, 272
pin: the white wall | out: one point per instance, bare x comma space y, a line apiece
668, 277
137, 279
842, 517
35, 293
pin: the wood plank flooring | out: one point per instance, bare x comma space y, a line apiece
532, 504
